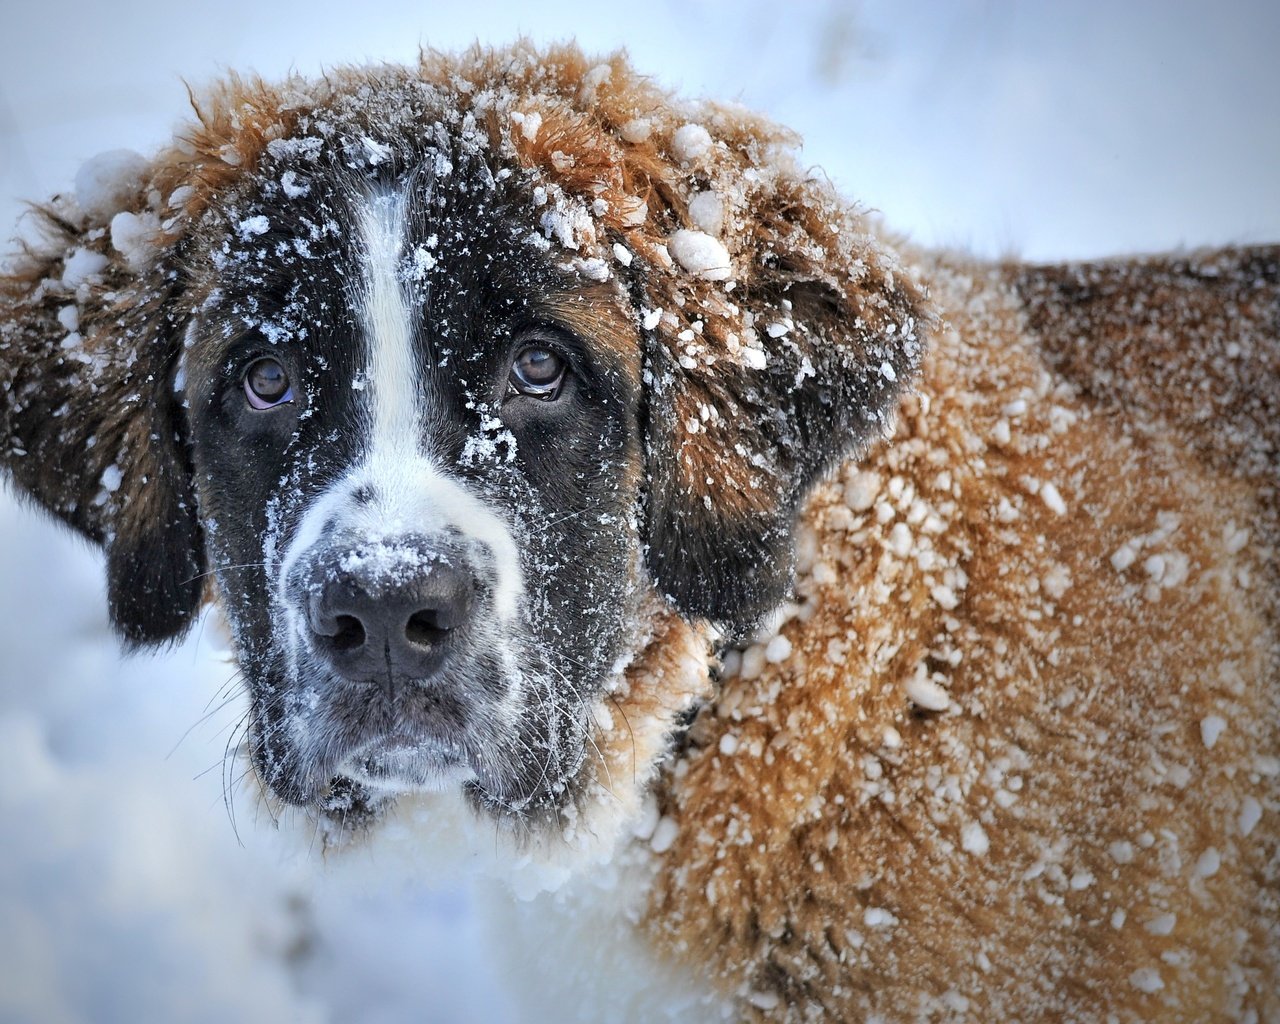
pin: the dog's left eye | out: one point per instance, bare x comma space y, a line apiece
537, 372
266, 384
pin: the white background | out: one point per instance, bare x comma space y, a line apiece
1046, 131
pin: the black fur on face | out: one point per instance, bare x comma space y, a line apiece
290, 494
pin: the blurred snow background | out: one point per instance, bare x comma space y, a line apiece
1049, 131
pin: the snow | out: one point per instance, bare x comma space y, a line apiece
132, 235
294, 187
1211, 727
706, 211
569, 223
1207, 863
777, 650
928, 694
112, 478
1250, 815
529, 124
973, 839
664, 835
1146, 979
763, 1000
878, 917
83, 266
125, 892
108, 183
375, 152
252, 226
1121, 852
1123, 557
636, 131
1050, 496
900, 540
689, 142
945, 596
1056, 582
700, 254
861, 491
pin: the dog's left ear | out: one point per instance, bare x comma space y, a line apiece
778, 337
736, 436
90, 425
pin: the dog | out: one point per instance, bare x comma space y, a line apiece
854, 632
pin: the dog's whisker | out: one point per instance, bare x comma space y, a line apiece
209, 710
224, 568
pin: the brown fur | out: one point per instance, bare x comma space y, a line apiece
1031, 852
1083, 685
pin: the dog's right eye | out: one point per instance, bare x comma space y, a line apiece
266, 385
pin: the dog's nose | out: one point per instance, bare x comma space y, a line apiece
373, 630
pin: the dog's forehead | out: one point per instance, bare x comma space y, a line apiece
306, 247
288, 262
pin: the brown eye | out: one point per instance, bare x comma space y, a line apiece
538, 373
266, 385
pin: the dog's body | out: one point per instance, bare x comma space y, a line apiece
1074, 834
518, 346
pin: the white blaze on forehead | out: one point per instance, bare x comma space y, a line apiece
408, 493
393, 369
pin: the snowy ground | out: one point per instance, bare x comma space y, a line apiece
124, 893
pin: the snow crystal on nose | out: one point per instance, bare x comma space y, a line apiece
389, 561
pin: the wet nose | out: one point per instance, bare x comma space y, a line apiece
374, 631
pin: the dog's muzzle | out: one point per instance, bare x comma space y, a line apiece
387, 612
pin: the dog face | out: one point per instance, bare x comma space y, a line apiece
417, 458
445, 376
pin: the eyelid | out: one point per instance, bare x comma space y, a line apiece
549, 335
260, 405
539, 391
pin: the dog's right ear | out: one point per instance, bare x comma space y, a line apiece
91, 335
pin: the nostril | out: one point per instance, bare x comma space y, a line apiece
350, 633
371, 619
426, 627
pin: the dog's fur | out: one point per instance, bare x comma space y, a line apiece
979, 720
